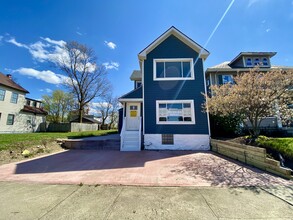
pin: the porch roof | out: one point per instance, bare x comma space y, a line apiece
135, 94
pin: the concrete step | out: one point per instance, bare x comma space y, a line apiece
92, 144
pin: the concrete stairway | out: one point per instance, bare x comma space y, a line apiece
131, 141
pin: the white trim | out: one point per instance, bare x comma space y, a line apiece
190, 101
130, 100
155, 61
142, 78
203, 53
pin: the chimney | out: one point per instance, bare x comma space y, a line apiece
9, 76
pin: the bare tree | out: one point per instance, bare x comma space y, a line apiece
85, 78
254, 96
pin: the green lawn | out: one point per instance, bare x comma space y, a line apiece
8, 141
282, 145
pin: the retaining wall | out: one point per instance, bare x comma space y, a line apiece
254, 156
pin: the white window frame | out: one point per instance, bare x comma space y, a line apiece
3, 95
191, 102
227, 75
155, 61
14, 100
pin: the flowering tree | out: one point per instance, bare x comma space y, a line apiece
253, 96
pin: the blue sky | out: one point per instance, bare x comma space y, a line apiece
31, 32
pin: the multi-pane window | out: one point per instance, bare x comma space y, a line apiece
256, 61
2, 94
175, 112
10, 119
168, 139
248, 62
265, 61
224, 79
14, 98
173, 69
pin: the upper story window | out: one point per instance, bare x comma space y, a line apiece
2, 94
173, 69
137, 84
14, 98
256, 61
175, 112
224, 79
28, 102
248, 61
265, 61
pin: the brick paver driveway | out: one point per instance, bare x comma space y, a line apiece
148, 168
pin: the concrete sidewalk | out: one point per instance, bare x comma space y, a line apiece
37, 201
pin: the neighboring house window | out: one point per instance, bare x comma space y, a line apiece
28, 102
2, 94
248, 62
35, 104
10, 119
175, 112
256, 61
14, 98
265, 61
224, 79
138, 84
173, 69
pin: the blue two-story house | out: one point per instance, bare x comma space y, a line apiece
164, 111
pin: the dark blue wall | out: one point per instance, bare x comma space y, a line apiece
173, 90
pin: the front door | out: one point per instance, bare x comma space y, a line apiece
133, 116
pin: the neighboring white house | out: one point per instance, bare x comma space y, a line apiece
18, 114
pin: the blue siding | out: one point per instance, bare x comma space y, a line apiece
173, 90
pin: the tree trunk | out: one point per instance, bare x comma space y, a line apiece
80, 115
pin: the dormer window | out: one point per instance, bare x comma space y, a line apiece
256, 61
173, 69
137, 84
265, 61
248, 62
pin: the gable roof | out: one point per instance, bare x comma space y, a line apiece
241, 54
134, 94
5, 80
203, 53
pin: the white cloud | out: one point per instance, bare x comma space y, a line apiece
1, 37
13, 41
111, 65
110, 44
45, 75
268, 30
47, 90
79, 33
45, 50
60, 43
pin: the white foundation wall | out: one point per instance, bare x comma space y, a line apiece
181, 142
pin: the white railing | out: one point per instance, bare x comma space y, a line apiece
139, 133
122, 133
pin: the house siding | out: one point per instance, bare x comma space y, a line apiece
173, 90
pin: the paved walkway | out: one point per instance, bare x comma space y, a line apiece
145, 168
39, 201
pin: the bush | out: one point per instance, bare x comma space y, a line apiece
228, 126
